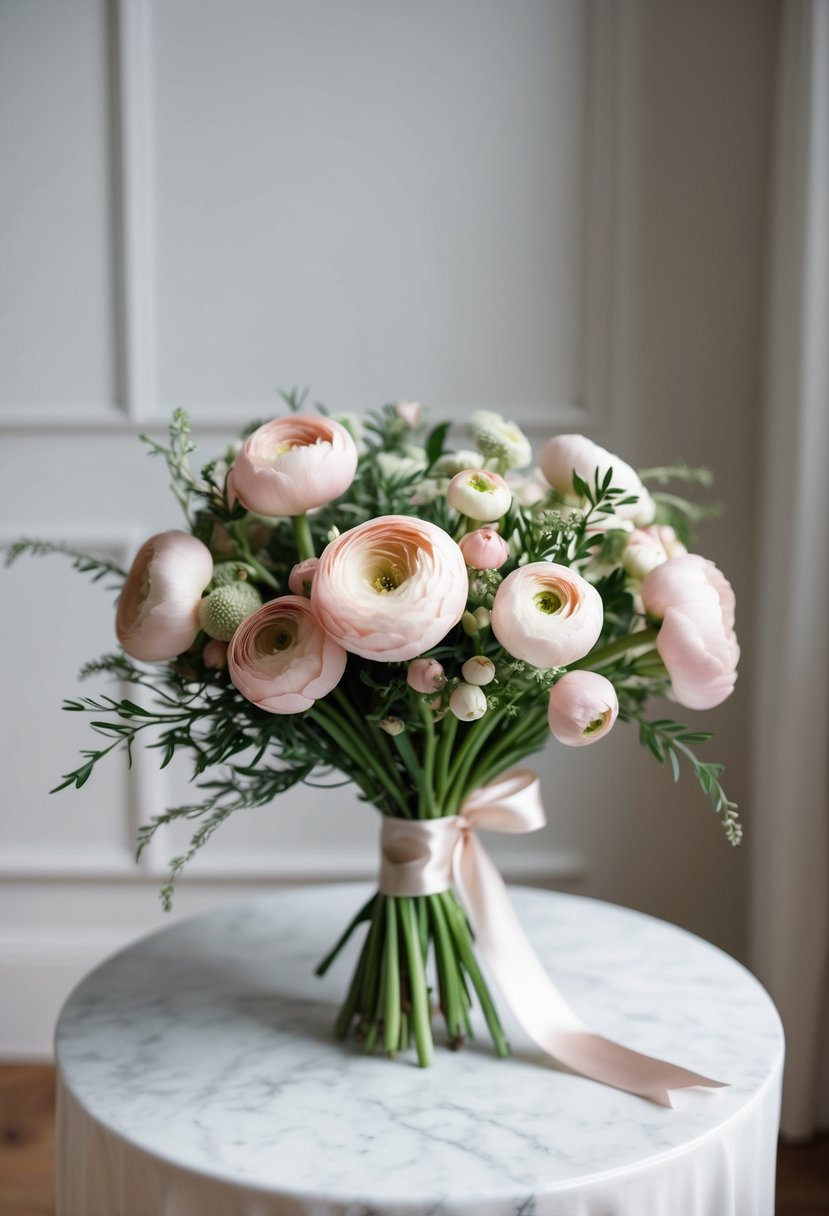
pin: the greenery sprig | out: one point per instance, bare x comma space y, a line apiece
668, 741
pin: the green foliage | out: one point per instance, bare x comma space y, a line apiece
670, 741
98, 567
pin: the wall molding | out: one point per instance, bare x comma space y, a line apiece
610, 125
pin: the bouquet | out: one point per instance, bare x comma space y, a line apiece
355, 597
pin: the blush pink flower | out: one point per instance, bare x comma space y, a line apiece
301, 578
563, 455
696, 640
390, 588
292, 464
650, 547
425, 675
484, 549
158, 611
582, 708
282, 660
547, 615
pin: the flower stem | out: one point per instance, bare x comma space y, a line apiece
605, 654
417, 981
391, 969
463, 944
302, 536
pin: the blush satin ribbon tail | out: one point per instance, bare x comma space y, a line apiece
427, 856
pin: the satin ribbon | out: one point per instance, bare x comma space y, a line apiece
427, 856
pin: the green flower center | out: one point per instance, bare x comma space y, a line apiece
595, 725
547, 602
481, 483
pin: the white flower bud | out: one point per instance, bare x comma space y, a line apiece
468, 702
393, 726
478, 670
483, 617
479, 494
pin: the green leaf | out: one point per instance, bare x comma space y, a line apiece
435, 442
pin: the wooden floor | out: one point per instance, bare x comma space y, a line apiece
27, 1094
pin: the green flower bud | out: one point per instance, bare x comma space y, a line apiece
482, 617
223, 610
226, 574
469, 625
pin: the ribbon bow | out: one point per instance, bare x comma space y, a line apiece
427, 856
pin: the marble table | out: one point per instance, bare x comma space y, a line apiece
198, 1077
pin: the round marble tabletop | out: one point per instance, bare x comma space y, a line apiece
199, 1077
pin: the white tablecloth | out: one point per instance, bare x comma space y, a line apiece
198, 1077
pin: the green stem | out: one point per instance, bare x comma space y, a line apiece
365, 913
407, 754
391, 971
450, 989
236, 530
371, 977
417, 982
351, 743
479, 732
302, 536
428, 809
605, 654
463, 943
448, 730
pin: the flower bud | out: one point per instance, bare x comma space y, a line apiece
483, 617
469, 624
410, 412
425, 675
223, 611
468, 702
214, 655
478, 670
302, 576
228, 573
583, 707
479, 494
393, 726
484, 549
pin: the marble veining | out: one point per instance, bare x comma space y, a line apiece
209, 1046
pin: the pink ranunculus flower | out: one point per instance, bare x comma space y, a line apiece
282, 660
547, 615
292, 464
390, 588
158, 611
564, 454
650, 547
425, 675
484, 549
582, 708
301, 578
696, 640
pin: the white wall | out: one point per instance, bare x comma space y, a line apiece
551, 208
